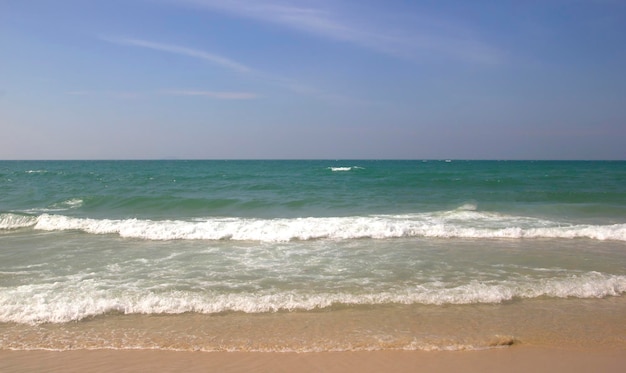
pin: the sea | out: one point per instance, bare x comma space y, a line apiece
312, 255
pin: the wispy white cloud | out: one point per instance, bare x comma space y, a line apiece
127, 95
123, 95
79, 93
419, 37
213, 94
181, 50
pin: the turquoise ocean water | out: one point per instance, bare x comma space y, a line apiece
251, 255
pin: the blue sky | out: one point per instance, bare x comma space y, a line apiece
312, 79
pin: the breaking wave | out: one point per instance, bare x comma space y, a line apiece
63, 302
459, 223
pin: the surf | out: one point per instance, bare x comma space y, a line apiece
77, 299
459, 223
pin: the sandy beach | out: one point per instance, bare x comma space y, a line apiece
510, 359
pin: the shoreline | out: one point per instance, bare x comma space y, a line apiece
512, 359
564, 323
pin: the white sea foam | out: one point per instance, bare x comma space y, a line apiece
69, 204
16, 221
335, 169
62, 302
463, 223
467, 207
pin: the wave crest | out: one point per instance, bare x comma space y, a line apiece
16, 221
460, 223
464, 222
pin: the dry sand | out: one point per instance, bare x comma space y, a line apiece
511, 359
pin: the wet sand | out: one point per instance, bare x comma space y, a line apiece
510, 359
546, 336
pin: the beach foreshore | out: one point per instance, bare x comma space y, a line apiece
510, 359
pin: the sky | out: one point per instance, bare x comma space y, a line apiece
300, 79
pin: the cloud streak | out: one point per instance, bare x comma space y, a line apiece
224, 62
183, 51
123, 95
420, 37
213, 94
220, 95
